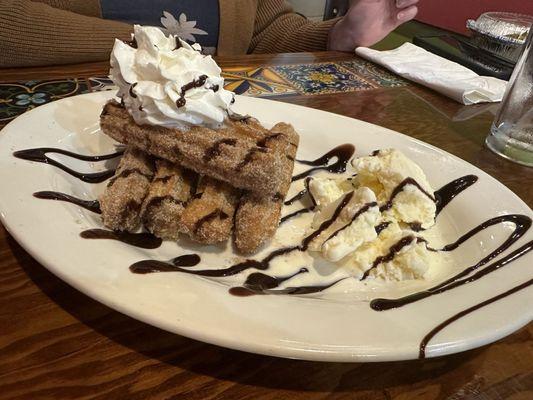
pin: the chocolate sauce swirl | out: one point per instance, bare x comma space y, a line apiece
381, 227
447, 193
398, 189
188, 260
91, 205
142, 240
326, 224
195, 83
361, 211
343, 153
215, 150
242, 291
149, 266
296, 197
459, 315
395, 249
40, 155
259, 282
295, 214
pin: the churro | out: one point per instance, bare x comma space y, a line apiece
169, 193
228, 154
258, 217
208, 217
122, 200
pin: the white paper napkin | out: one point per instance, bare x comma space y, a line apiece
446, 77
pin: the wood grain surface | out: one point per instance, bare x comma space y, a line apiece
56, 343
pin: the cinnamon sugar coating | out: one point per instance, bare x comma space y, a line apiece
208, 204
123, 198
168, 195
208, 217
228, 154
258, 217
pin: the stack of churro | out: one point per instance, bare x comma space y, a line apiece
191, 166
205, 183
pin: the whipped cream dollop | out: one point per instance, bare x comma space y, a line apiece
167, 82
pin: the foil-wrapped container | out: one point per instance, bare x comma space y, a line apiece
501, 33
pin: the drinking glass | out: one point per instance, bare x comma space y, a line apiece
511, 133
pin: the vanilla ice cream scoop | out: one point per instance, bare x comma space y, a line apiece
326, 190
164, 81
347, 228
400, 185
366, 223
395, 255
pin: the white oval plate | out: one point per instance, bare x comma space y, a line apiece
327, 327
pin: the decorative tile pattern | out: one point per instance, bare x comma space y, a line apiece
373, 73
283, 80
322, 78
19, 97
256, 82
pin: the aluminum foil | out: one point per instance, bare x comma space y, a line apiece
500, 33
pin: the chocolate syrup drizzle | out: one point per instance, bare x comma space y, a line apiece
216, 214
216, 149
196, 83
91, 205
379, 228
298, 197
399, 189
295, 214
363, 210
259, 282
142, 240
188, 260
343, 153
448, 192
327, 223
40, 155
395, 249
459, 315
247, 290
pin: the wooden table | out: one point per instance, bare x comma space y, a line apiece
56, 343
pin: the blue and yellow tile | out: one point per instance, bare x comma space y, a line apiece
256, 81
373, 73
322, 78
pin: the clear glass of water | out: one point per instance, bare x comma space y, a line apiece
511, 133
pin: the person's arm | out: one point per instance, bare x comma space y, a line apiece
35, 34
278, 29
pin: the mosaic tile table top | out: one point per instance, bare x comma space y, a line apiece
282, 80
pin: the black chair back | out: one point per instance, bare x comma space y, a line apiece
336, 8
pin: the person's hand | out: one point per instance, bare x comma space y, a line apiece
369, 21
